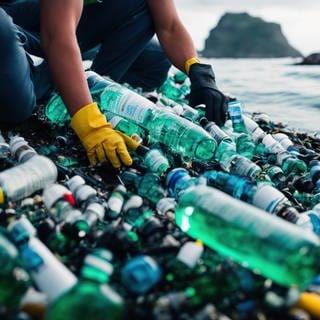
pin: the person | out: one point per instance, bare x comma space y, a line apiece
63, 32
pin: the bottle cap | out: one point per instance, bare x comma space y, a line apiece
190, 253
140, 274
75, 182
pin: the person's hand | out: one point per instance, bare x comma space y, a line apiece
204, 91
101, 142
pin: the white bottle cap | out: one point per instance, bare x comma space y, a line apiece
190, 253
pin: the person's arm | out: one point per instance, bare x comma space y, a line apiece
59, 20
179, 48
58, 24
173, 36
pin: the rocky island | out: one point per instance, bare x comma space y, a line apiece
240, 35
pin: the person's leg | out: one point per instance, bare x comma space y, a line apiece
28, 26
124, 30
17, 97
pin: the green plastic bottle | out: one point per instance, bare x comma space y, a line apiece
182, 136
177, 133
91, 297
266, 244
14, 280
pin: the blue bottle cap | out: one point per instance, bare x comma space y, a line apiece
140, 274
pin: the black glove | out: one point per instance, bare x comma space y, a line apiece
204, 91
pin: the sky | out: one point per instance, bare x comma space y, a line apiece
299, 19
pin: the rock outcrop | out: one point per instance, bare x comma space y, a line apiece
311, 59
239, 35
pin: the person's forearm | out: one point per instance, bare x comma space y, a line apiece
177, 45
68, 74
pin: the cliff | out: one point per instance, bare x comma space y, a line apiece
239, 35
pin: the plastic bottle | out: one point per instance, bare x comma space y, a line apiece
59, 201
182, 136
277, 176
33, 174
237, 187
129, 128
215, 131
288, 162
147, 186
48, 273
193, 114
174, 90
153, 160
14, 279
245, 145
91, 297
273, 247
4, 147
178, 180
262, 196
116, 201
241, 166
86, 198
236, 116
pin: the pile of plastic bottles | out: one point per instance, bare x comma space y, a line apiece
209, 223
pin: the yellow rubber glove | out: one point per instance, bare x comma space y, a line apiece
99, 139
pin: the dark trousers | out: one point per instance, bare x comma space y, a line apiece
117, 35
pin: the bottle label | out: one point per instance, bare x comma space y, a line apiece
267, 198
123, 102
244, 167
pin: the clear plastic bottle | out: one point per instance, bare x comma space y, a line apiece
126, 126
182, 136
236, 116
49, 274
154, 160
33, 174
262, 242
215, 131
